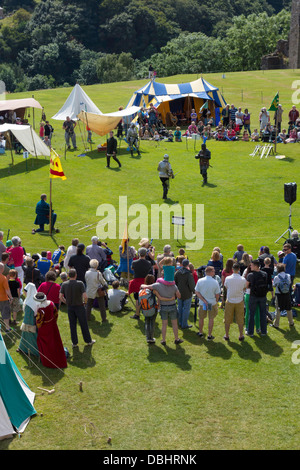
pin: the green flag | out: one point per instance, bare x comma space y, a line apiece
275, 103
204, 106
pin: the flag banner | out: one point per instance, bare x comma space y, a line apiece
204, 106
56, 170
125, 238
275, 103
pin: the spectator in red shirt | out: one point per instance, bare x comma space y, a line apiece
293, 115
50, 288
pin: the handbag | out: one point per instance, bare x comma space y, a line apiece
101, 292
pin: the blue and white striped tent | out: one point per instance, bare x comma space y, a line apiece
171, 98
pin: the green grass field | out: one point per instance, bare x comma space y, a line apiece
201, 394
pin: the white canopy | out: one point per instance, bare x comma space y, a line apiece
77, 101
28, 138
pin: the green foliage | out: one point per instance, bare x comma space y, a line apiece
113, 68
69, 40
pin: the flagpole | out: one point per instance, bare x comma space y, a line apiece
276, 122
50, 215
276, 119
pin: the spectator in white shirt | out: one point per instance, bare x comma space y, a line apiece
72, 250
116, 298
208, 291
234, 306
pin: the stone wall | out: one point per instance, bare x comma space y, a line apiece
294, 37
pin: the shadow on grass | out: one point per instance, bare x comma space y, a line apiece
98, 327
245, 351
209, 185
268, 346
95, 155
176, 356
33, 164
82, 359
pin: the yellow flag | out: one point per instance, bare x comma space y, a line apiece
56, 170
125, 238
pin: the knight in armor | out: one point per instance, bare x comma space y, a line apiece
204, 156
165, 173
133, 139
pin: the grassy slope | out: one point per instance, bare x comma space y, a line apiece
199, 395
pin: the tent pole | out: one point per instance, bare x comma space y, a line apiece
11, 149
33, 142
87, 125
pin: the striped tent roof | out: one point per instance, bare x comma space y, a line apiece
166, 92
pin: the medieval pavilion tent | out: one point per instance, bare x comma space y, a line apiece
179, 98
16, 398
77, 101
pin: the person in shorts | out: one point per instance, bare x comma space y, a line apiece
208, 291
167, 295
234, 307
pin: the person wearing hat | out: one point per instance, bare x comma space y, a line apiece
204, 156
141, 267
94, 251
278, 117
280, 255
49, 342
145, 243
165, 173
184, 280
80, 262
133, 139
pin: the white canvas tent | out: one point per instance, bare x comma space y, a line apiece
77, 101
16, 398
28, 138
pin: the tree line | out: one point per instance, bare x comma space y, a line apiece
54, 43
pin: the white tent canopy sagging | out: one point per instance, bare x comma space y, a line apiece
105, 123
77, 101
28, 138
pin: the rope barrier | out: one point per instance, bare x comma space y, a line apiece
94, 431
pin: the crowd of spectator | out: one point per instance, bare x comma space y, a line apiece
81, 279
234, 125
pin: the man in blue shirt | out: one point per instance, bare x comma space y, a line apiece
290, 261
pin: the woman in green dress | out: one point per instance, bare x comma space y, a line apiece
28, 343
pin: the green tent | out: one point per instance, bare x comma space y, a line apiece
16, 399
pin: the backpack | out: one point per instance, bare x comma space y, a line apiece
260, 285
147, 302
284, 285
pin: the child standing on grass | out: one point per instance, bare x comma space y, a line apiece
14, 286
